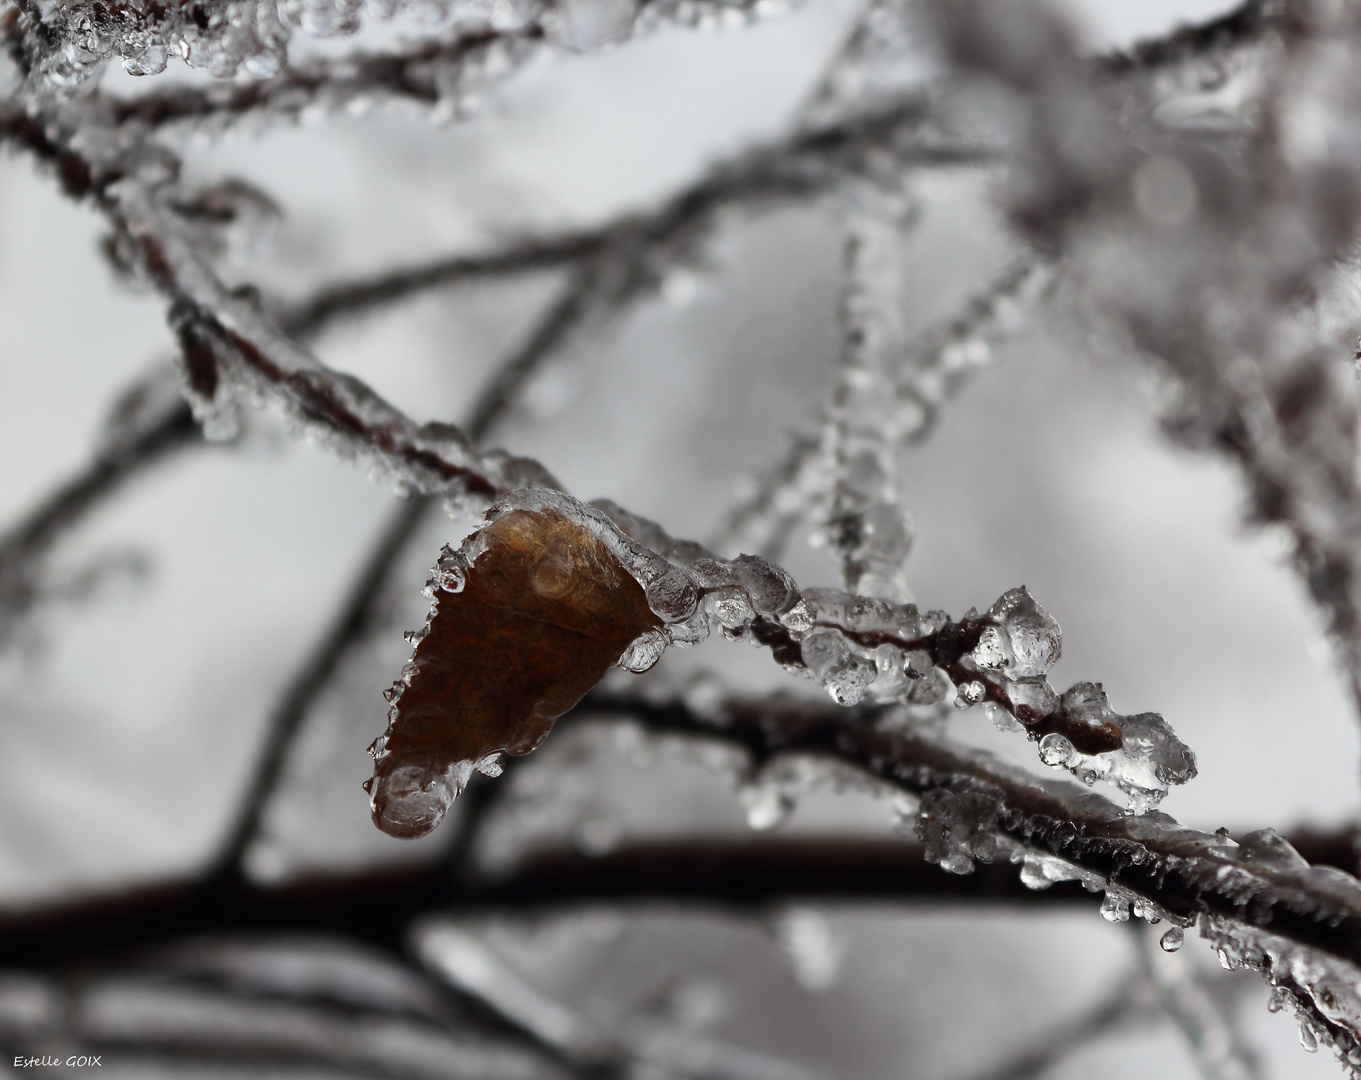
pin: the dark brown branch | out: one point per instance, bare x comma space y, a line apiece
376, 907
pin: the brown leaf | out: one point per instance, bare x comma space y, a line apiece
544, 610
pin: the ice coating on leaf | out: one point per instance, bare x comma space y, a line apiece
537, 611
957, 825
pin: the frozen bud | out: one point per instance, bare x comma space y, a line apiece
672, 596
1032, 636
771, 590
644, 651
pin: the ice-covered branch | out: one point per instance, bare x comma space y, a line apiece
1262, 905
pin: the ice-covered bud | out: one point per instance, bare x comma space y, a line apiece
769, 588
672, 596
957, 825
1031, 641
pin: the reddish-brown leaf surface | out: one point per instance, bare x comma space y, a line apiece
545, 610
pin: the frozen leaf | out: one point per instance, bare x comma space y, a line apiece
542, 610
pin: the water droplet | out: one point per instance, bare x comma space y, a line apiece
731, 607
799, 618
767, 805
1173, 939
672, 596
1114, 909
970, 693
1055, 750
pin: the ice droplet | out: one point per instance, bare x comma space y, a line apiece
799, 618
1173, 939
769, 588
731, 607
492, 765
957, 825
1308, 1039
970, 693
451, 572
1114, 908
1268, 847
644, 651
767, 805
1034, 637
672, 596
806, 938
1055, 749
